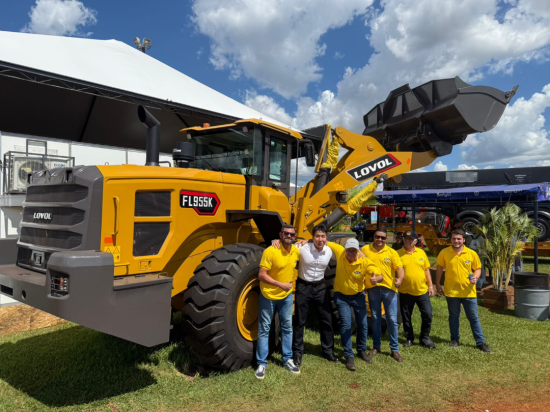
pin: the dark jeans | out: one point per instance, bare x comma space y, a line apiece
317, 295
388, 297
426, 312
345, 304
470, 307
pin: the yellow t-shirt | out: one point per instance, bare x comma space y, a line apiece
350, 277
387, 260
280, 265
415, 265
458, 267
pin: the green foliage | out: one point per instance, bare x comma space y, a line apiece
506, 230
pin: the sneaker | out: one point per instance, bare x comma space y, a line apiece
260, 372
350, 364
363, 355
408, 343
453, 344
297, 359
427, 343
290, 366
397, 356
484, 348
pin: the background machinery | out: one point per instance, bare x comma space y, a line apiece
114, 248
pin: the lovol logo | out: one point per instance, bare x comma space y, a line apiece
42, 216
374, 167
203, 203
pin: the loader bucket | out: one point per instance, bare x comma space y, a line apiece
435, 116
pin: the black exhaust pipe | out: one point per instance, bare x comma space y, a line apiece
153, 136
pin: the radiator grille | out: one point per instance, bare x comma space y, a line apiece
56, 194
65, 216
61, 239
149, 238
152, 204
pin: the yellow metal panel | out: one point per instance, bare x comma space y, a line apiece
267, 198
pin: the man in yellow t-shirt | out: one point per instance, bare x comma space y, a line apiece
462, 271
385, 291
276, 277
416, 289
349, 294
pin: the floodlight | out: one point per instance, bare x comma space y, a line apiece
147, 43
136, 41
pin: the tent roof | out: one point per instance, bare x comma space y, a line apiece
475, 193
88, 90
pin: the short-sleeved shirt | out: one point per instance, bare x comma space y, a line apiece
350, 277
415, 265
457, 269
313, 263
387, 260
280, 265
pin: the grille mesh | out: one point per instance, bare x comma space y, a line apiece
152, 204
61, 239
66, 216
149, 238
57, 194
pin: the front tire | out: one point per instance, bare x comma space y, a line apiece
221, 307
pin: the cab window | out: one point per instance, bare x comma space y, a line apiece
278, 159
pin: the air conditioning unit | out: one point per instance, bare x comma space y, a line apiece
22, 167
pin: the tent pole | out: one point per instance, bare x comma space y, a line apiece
536, 254
414, 217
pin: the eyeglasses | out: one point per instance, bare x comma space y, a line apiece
289, 234
380, 237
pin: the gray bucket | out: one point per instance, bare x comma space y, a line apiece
532, 303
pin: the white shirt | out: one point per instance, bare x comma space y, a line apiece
313, 263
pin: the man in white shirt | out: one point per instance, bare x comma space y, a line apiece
311, 288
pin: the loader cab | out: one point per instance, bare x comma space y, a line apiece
255, 150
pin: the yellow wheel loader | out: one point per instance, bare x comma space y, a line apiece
118, 248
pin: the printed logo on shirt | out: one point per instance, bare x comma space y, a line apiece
387, 259
421, 260
357, 272
468, 261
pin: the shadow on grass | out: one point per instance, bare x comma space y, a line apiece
75, 366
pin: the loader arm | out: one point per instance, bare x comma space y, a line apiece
365, 159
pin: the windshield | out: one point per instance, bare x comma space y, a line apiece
237, 150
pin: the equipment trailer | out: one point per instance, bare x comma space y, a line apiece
114, 248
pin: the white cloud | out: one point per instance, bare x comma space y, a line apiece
60, 18
266, 105
274, 42
519, 138
338, 55
466, 167
440, 167
305, 174
421, 40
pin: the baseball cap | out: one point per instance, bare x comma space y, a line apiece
399, 234
410, 233
352, 244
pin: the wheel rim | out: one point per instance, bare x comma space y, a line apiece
541, 228
469, 227
247, 310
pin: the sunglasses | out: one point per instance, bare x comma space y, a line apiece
380, 237
289, 234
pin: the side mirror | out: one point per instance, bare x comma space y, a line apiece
310, 155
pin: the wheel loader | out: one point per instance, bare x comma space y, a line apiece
119, 248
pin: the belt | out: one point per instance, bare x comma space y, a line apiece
310, 283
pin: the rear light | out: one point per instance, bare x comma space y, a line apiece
60, 285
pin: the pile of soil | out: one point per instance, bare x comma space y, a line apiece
20, 318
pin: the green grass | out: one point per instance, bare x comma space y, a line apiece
71, 368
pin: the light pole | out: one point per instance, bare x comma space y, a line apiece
146, 45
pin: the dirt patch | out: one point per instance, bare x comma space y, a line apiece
20, 318
513, 399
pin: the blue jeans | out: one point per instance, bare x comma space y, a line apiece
265, 316
377, 296
358, 303
470, 307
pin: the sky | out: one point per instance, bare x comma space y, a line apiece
310, 62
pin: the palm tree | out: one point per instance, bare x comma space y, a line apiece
506, 230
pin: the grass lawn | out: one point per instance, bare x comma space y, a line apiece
71, 368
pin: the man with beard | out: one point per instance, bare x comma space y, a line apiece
460, 287
276, 277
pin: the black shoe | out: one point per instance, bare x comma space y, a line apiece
484, 348
331, 358
297, 359
364, 355
427, 343
453, 344
350, 364
408, 344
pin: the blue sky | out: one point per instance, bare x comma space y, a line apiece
329, 61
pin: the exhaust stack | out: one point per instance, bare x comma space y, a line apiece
153, 136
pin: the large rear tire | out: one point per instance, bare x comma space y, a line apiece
221, 307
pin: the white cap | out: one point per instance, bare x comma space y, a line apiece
352, 243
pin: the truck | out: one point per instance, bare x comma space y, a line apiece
118, 249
